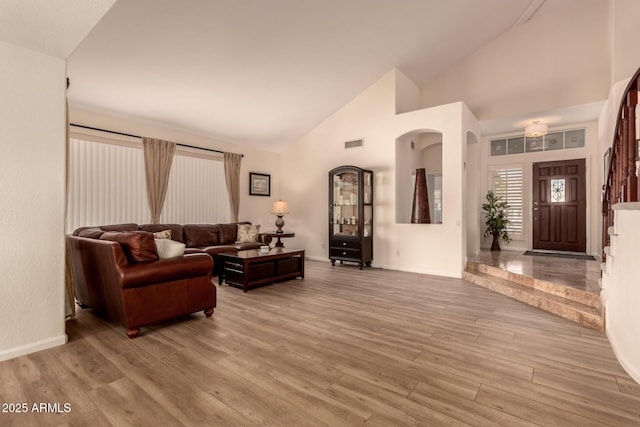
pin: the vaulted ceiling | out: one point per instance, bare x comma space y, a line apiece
266, 72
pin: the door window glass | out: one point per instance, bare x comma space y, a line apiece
557, 190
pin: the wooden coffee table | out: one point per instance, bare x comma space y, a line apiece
250, 268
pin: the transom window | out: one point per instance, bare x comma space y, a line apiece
551, 141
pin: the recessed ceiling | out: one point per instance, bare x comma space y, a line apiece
266, 72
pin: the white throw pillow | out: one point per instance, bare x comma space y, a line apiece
248, 233
169, 248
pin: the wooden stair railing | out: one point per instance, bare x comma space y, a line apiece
621, 181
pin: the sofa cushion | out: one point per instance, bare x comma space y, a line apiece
247, 233
176, 230
228, 233
168, 248
138, 246
247, 245
120, 227
215, 250
90, 232
113, 227
188, 251
201, 235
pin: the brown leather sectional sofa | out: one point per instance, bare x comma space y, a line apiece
117, 271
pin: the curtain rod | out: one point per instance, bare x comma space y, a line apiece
138, 136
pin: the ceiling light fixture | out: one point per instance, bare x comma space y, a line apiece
536, 129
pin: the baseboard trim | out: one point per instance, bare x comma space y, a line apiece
33, 347
394, 268
317, 258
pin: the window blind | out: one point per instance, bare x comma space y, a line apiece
507, 183
107, 185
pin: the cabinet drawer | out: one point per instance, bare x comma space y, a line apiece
345, 243
345, 253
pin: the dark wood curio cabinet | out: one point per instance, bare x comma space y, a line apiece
351, 215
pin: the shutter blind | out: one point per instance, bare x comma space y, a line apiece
507, 184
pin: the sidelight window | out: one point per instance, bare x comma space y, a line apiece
507, 183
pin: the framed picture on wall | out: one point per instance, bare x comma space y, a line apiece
259, 184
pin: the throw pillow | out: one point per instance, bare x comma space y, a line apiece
248, 233
164, 234
169, 249
138, 246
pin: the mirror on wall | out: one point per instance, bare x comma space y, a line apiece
414, 150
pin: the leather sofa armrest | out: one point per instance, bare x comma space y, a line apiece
166, 270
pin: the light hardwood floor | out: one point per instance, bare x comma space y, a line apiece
342, 347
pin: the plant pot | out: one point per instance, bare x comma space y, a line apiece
495, 245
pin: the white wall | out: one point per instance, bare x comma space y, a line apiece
407, 161
425, 248
559, 58
620, 276
625, 61
474, 219
620, 291
624, 32
407, 94
256, 209
32, 173
432, 157
589, 152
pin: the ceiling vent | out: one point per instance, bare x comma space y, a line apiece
353, 144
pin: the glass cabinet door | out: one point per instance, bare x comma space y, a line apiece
345, 204
368, 204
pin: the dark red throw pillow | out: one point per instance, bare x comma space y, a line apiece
138, 246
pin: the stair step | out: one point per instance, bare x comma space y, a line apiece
556, 304
577, 295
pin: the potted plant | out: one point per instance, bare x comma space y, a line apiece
495, 220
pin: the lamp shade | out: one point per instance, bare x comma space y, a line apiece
280, 207
536, 129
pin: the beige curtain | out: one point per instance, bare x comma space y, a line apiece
70, 310
158, 156
232, 176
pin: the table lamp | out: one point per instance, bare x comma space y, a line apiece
280, 207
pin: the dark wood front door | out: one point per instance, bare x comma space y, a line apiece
560, 206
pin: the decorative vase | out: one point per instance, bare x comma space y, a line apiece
420, 211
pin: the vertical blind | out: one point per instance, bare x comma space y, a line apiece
507, 183
197, 192
107, 186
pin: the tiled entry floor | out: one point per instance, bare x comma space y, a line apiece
576, 273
